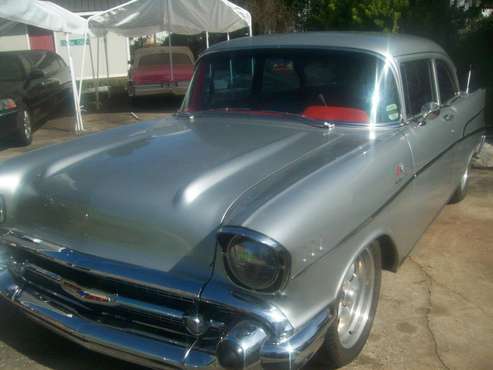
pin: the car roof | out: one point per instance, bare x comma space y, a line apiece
386, 44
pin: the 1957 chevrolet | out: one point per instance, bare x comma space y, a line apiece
250, 229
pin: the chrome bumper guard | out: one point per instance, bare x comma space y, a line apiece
255, 345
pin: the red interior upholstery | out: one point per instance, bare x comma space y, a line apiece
332, 113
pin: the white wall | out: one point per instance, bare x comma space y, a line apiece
117, 54
15, 39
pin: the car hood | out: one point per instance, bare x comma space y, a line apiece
150, 194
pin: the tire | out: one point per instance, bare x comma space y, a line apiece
24, 127
133, 100
461, 191
348, 334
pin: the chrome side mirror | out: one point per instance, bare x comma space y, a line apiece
428, 110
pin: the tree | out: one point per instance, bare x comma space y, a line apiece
373, 15
270, 16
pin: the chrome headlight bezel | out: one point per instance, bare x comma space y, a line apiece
279, 258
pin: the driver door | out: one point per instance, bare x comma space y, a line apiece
430, 140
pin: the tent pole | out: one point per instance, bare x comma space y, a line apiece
107, 62
250, 29
170, 53
97, 75
78, 117
227, 36
81, 77
92, 61
207, 39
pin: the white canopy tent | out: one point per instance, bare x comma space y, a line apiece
47, 15
186, 17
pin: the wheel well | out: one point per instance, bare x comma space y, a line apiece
390, 256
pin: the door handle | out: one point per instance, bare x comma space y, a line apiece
448, 117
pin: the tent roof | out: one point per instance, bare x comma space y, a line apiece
187, 17
42, 14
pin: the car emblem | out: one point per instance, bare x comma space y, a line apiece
87, 295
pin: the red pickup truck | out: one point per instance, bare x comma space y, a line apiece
152, 74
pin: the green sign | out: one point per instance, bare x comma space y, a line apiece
74, 42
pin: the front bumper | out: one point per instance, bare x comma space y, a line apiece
270, 352
178, 88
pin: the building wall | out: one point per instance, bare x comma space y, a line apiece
15, 39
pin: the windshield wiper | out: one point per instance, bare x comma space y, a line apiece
249, 111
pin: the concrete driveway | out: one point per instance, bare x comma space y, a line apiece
435, 313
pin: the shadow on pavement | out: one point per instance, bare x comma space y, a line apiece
48, 349
119, 102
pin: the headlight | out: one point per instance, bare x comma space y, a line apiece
254, 260
7, 104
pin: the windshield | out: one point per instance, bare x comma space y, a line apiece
11, 68
335, 86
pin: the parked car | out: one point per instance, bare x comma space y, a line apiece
250, 230
32, 85
151, 72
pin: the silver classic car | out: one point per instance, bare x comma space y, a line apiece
249, 230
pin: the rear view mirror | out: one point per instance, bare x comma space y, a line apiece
428, 110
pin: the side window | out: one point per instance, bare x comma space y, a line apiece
418, 83
229, 82
446, 82
49, 64
61, 62
389, 109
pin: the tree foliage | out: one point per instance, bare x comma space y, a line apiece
375, 15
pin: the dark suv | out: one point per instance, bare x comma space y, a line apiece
32, 85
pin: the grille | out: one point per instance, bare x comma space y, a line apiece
136, 308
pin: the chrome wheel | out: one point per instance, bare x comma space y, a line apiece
26, 124
465, 177
356, 299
